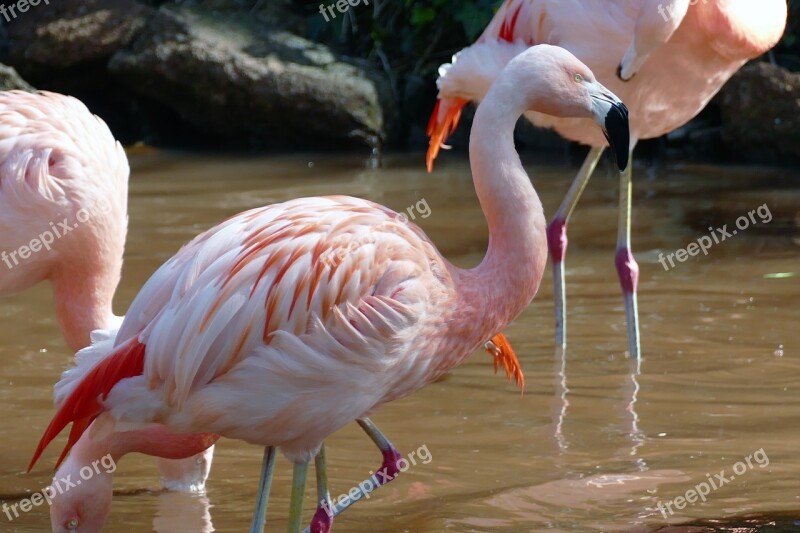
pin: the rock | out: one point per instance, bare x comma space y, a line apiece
9, 80
66, 33
233, 77
760, 109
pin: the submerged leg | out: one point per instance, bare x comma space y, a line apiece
627, 268
557, 240
267, 467
298, 496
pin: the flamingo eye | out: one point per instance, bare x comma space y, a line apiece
578, 78
72, 525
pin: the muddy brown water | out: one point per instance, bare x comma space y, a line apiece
591, 446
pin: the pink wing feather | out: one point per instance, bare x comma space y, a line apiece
309, 289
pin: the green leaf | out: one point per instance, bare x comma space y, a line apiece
422, 15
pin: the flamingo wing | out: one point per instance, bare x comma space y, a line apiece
593, 30
337, 268
313, 296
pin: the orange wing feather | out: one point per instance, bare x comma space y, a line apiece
503, 354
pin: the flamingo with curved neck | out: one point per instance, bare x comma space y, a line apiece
250, 333
63, 219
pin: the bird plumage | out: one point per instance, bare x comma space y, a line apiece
713, 40
63, 207
328, 300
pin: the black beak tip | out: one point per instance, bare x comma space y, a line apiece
618, 134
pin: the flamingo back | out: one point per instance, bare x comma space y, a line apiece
57, 159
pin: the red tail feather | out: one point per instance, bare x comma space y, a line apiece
82, 406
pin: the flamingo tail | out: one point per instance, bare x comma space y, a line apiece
82, 406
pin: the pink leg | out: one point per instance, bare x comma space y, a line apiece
328, 510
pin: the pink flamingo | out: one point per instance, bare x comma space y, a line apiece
671, 59
248, 332
63, 218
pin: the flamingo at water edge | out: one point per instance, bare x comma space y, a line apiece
248, 332
63, 219
664, 58
64, 182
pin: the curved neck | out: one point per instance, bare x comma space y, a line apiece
83, 296
505, 282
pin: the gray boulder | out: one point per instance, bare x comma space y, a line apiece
760, 109
67, 33
231, 76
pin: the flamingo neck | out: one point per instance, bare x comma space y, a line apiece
83, 294
102, 455
507, 279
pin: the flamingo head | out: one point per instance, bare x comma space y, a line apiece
80, 502
560, 85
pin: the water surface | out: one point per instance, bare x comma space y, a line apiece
591, 446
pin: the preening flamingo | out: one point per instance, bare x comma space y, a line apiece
248, 332
672, 56
63, 219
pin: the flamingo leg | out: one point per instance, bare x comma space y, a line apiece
557, 240
267, 468
388, 470
627, 268
299, 478
323, 518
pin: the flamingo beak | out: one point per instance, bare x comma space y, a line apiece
612, 116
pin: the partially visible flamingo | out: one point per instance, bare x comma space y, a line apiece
671, 59
247, 332
58, 162
63, 219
